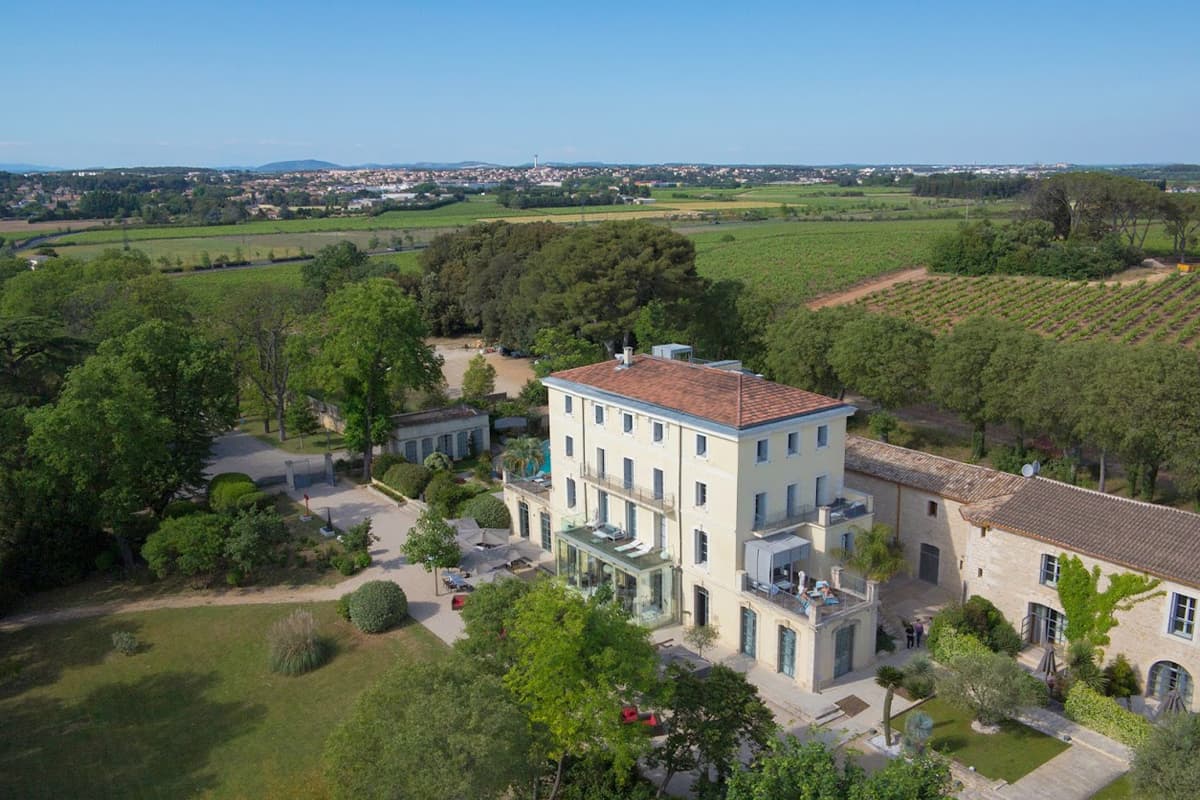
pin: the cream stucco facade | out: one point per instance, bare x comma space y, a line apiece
692, 493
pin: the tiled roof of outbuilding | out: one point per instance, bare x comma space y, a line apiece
965, 483
726, 397
1160, 540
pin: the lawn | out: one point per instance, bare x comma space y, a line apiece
1120, 789
316, 445
1008, 755
195, 713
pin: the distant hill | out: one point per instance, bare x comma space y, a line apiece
19, 168
304, 165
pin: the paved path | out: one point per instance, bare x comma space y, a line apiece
348, 504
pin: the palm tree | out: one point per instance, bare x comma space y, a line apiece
523, 456
877, 555
890, 678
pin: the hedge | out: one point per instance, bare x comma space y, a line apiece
980, 618
445, 494
382, 463
487, 510
377, 606
263, 501
1105, 715
225, 489
408, 479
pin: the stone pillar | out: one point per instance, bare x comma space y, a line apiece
291, 474
329, 476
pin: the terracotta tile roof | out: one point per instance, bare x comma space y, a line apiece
965, 483
1162, 541
723, 396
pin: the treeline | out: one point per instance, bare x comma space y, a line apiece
970, 185
1079, 225
606, 284
552, 197
1028, 247
111, 392
1134, 402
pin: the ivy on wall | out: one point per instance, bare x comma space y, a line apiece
1091, 614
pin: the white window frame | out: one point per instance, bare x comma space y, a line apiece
701, 494
1048, 576
701, 446
822, 433
1182, 625
793, 444
658, 431
762, 451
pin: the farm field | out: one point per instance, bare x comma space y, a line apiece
207, 288
794, 261
195, 713
1164, 311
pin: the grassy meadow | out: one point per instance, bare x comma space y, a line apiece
195, 713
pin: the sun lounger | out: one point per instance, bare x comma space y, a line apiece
628, 546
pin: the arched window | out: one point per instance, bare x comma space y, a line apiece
1166, 676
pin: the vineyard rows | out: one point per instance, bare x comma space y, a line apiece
1165, 312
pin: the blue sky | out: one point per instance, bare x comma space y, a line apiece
239, 83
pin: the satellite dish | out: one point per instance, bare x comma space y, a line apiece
1028, 471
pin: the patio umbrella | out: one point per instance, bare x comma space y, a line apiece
1172, 703
1048, 666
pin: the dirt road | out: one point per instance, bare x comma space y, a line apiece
874, 285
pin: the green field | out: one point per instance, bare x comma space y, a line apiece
1166, 311
207, 288
195, 713
795, 261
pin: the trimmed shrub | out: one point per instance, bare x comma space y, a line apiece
362, 559
377, 606
191, 545
980, 618
444, 494
262, 501
408, 479
225, 489
181, 508
487, 510
343, 563
1105, 715
382, 463
343, 606
358, 537
125, 643
295, 645
439, 462
952, 644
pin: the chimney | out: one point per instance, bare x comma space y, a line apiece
627, 358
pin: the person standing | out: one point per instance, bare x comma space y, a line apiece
918, 632
908, 635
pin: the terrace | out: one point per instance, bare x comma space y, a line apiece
851, 506
591, 556
775, 571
